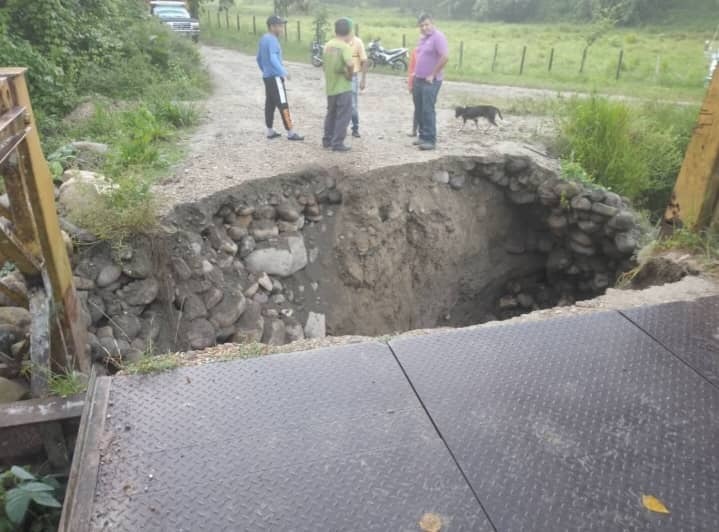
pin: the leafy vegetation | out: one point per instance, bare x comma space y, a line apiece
67, 384
152, 364
28, 502
704, 244
635, 150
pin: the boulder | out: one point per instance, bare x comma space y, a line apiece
287, 258
81, 189
293, 330
108, 275
622, 221
251, 325
247, 246
200, 334
237, 232
289, 211
315, 326
126, 326
220, 240
580, 203
265, 212
16, 282
229, 310
457, 182
604, 210
192, 306
181, 269
139, 293
274, 333
625, 243
11, 391
213, 297
263, 229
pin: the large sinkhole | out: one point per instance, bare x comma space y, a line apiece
452, 242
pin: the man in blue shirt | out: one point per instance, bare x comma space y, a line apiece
274, 74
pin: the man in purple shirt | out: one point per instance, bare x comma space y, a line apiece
432, 56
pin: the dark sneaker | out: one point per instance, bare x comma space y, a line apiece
274, 135
326, 145
295, 136
426, 146
413, 134
356, 134
341, 148
418, 142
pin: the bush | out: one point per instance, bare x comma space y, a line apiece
635, 151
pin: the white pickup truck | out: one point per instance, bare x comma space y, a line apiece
177, 17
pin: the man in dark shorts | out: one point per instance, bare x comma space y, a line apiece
274, 74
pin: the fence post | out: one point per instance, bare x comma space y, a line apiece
658, 68
584, 59
461, 53
404, 41
219, 24
524, 56
317, 32
299, 32
285, 30
254, 25
494, 59
551, 60
619, 63
227, 18
238, 23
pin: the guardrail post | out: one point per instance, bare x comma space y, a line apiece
551, 60
584, 59
524, 56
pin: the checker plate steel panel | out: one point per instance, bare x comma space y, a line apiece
564, 424
690, 330
328, 440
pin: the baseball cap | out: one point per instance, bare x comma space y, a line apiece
274, 19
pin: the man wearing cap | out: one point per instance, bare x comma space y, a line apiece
359, 77
338, 83
274, 74
432, 56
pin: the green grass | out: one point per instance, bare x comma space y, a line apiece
67, 384
152, 364
659, 62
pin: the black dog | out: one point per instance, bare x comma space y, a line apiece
475, 113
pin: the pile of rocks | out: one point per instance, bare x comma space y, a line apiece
588, 234
217, 278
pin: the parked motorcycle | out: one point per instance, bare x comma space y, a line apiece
396, 58
316, 52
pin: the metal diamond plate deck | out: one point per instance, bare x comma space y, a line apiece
327, 440
565, 424
690, 330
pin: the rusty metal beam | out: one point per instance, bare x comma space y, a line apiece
37, 181
697, 188
13, 250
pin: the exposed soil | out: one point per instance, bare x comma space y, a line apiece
230, 145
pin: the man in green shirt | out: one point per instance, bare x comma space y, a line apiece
338, 81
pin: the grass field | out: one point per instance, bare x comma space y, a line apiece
658, 62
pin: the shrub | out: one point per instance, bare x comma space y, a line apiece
635, 151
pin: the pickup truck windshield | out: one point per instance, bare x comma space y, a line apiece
171, 12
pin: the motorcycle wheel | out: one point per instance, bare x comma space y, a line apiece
316, 61
400, 64
370, 63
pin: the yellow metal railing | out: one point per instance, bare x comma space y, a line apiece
30, 238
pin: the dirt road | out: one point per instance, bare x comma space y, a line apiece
230, 145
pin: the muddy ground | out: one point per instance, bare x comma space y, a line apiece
230, 145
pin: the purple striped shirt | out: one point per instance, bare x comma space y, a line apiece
430, 49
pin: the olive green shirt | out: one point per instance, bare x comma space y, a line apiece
337, 57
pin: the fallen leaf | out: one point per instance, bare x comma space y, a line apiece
655, 505
430, 523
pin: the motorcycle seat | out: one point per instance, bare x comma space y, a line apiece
394, 50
